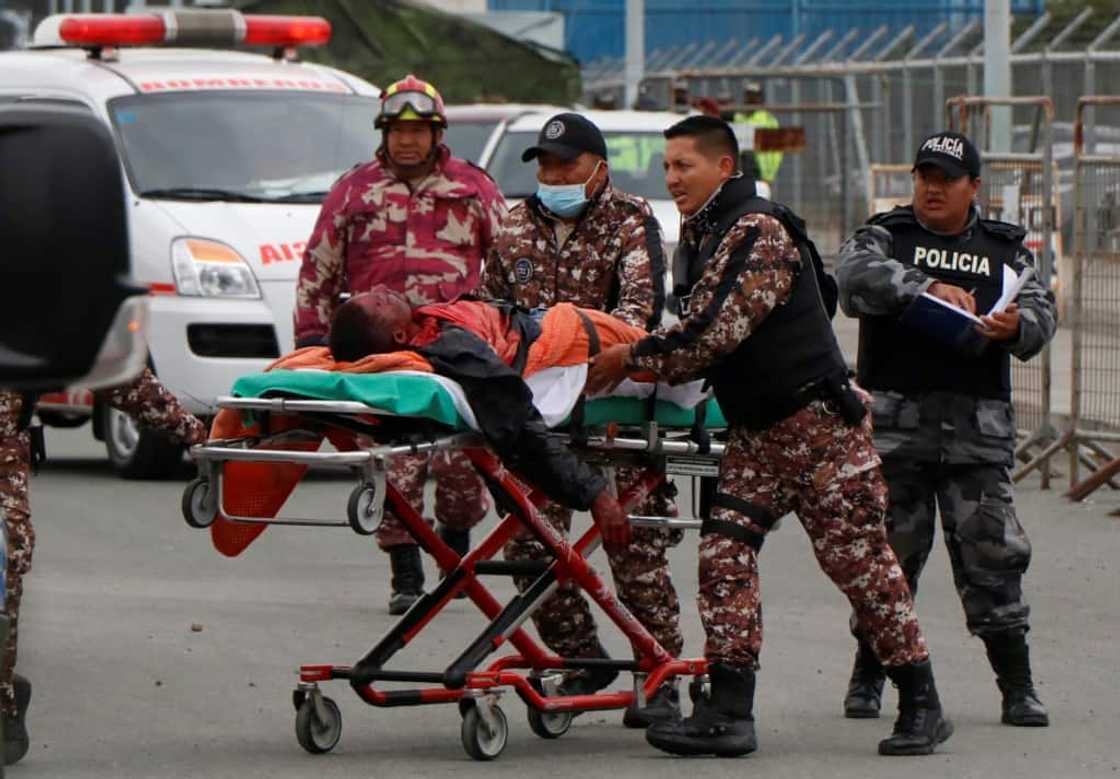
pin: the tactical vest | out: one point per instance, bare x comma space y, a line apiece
792, 357
895, 357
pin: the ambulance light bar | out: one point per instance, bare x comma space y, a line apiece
182, 28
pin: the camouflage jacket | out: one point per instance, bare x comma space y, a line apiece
751, 273
428, 242
613, 260
942, 426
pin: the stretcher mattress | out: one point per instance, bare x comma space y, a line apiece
413, 394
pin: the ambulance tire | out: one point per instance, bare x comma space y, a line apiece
136, 453
62, 419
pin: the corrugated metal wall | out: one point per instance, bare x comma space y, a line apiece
594, 28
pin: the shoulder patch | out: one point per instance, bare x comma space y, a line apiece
1004, 230
896, 216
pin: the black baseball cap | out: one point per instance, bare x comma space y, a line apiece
567, 136
952, 152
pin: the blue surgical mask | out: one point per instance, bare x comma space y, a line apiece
565, 200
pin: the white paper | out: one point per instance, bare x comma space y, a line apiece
1012, 286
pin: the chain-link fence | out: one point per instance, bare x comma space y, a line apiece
895, 86
1095, 397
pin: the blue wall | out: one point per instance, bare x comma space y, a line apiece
595, 28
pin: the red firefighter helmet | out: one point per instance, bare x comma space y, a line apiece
411, 99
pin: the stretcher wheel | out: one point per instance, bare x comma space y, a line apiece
198, 504
314, 734
550, 724
479, 740
364, 510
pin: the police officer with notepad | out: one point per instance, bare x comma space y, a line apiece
944, 423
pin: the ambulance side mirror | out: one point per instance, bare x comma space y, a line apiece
67, 310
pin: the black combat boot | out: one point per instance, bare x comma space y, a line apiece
460, 543
408, 577
16, 740
865, 689
1011, 660
721, 724
663, 706
920, 725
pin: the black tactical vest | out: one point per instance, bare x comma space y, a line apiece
895, 357
783, 365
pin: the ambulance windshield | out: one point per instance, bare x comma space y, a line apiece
242, 146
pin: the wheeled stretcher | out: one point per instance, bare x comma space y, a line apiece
279, 421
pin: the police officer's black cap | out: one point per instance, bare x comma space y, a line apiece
567, 136
951, 152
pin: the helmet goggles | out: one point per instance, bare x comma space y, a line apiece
421, 104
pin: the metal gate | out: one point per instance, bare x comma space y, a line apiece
1095, 367
1019, 188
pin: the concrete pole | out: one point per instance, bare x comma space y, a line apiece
997, 68
635, 49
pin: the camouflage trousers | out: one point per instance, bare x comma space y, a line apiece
988, 548
147, 400
813, 464
461, 497
15, 464
641, 576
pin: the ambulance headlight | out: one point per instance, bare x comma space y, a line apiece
211, 269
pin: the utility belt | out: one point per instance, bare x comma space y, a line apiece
835, 389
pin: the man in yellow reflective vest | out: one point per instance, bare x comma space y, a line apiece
768, 161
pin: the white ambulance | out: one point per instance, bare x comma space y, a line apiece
226, 156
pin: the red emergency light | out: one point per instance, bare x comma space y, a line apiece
113, 30
261, 30
194, 28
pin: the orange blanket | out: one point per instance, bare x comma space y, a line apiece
261, 489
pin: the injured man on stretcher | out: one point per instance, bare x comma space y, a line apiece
499, 355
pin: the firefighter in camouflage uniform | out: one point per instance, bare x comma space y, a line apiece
420, 222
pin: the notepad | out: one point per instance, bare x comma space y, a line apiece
954, 326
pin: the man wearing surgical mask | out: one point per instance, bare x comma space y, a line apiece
579, 240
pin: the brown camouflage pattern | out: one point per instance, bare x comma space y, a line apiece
15, 466
426, 240
461, 499
764, 283
613, 260
641, 575
147, 401
813, 464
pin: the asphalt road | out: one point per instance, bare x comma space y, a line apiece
124, 687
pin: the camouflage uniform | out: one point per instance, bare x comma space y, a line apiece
460, 501
811, 463
144, 398
426, 241
15, 465
950, 448
611, 261
147, 401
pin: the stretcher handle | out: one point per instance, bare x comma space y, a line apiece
669, 523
